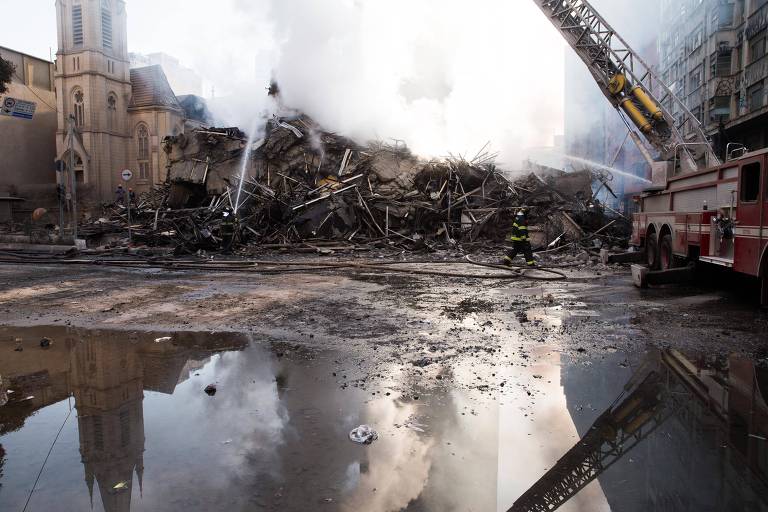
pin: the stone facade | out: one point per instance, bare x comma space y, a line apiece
713, 55
94, 86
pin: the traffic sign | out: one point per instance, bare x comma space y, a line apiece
17, 108
126, 175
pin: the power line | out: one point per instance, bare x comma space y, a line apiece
33, 92
46, 461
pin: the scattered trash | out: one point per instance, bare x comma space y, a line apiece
120, 486
163, 339
210, 389
228, 441
45, 343
363, 435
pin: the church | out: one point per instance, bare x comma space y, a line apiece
121, 114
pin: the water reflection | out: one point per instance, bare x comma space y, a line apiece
274, 437
106, 377
682, 435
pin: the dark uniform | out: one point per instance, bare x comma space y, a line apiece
228, 230
520, 242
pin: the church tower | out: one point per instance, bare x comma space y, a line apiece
93, 84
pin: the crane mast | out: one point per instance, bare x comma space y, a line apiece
671, 138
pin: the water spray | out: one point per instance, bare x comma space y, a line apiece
244, 163
604, 167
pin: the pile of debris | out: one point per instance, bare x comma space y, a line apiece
300, 186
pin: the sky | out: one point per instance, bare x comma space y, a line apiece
443, 75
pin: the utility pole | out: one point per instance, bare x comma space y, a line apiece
73, 175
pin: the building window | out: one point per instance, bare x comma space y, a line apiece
695, 39
757, 49
696, 111
142, 153
720, 62
722, 16
125, 429
755, 97
79, 100
77, 25
720, 108
106, 25
694, 80
111, 111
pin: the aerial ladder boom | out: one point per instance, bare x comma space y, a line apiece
664, 386
670, 136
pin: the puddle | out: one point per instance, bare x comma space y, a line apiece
134, 430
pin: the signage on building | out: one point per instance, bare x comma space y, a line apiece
13, 107
126, 175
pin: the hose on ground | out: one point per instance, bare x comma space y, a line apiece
256, 267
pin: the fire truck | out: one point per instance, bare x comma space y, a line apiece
697, 209
717, 216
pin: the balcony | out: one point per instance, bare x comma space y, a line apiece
757, 71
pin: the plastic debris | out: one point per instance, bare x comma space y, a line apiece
210, 389
163, 339
363, 435
120, 486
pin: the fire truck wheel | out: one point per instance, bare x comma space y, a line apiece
666, 257
652, 252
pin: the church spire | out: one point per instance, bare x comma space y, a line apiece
140, 475
89, 482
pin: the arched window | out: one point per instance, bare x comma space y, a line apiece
78, 98
111, 111
142, 151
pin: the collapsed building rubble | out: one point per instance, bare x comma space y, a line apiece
301, 187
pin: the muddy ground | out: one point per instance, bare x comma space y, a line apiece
444, 368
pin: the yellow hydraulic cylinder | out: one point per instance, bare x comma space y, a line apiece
617, 84
636, 115
647, 103
635, 425
626, 409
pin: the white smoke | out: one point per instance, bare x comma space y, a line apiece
443, 75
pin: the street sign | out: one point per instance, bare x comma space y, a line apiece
13, 107
126, 175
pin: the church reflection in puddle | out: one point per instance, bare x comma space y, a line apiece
138, 433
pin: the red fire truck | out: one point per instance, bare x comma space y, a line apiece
698, 208
718, 216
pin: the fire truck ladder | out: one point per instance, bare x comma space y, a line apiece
632, 87
667, 389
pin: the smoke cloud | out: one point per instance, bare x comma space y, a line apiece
443, 75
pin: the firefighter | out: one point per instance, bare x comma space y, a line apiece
228, 230
520, 241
